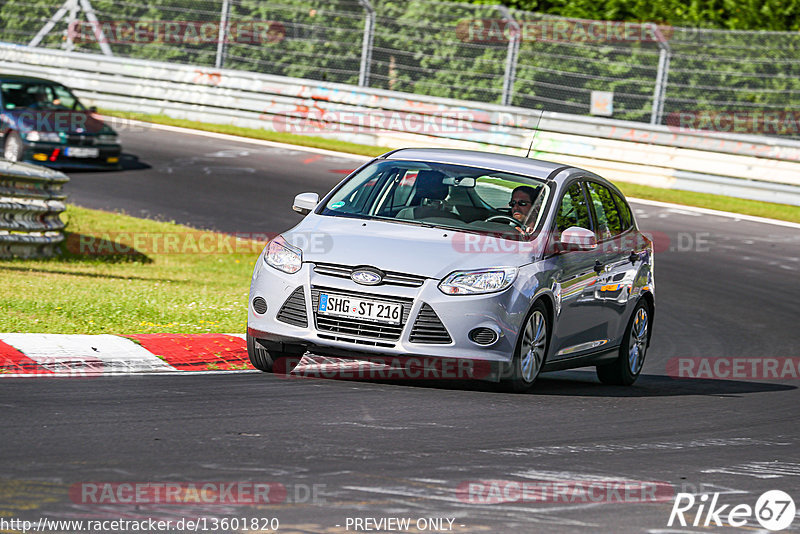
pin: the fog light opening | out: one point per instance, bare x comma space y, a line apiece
483, 336
260, 305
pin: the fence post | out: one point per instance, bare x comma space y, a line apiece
366, 44
660, 91
98, 31
510, 73
223, 33
69, 44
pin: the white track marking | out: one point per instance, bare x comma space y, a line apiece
80, 354
716, 213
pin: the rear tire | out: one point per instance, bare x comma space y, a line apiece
12, 148
626, 368
531, 351
270, 362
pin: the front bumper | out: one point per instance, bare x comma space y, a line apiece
500, 312
53, 155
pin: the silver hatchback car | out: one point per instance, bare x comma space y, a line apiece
508, 266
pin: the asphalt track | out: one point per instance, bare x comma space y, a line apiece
725, 288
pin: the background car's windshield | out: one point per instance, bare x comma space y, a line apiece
35, 95
450, 196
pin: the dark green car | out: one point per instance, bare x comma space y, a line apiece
43, 122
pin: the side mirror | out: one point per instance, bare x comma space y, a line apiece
577, 238
305, 202
93, 109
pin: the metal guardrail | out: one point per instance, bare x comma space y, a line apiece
746, 166
31, 201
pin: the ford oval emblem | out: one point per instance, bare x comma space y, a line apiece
367, 277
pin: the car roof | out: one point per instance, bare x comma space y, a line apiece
500, 162
22, 78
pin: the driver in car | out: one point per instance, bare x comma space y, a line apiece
522, 199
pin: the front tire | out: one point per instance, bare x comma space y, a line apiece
626, 368
531, 351
270, 362
12, 148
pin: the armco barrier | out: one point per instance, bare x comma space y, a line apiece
746, 166
31, 200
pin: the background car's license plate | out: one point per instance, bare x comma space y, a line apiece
81, 152
384, 312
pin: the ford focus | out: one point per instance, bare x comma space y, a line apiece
510, 265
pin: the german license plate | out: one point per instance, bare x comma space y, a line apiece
81, 152
372, 310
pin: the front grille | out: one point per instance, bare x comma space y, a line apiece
293, 310
80, 140
347, 326
392, 278
357, 341
428, 328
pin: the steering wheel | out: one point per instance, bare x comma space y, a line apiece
506, 218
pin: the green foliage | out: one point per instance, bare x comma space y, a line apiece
459, 49
773, 15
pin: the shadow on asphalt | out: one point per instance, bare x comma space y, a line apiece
129, 162
584, 383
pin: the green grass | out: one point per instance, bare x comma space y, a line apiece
186, 289
717, 202
784, 212
278, 137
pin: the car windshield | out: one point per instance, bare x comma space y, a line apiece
449, 196
38, 95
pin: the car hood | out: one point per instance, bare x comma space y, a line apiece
69, 122
429, 252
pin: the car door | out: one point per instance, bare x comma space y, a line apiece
621, 253
580, 324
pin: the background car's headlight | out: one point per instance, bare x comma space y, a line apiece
283, 256
475, 282
107, 139
46, 137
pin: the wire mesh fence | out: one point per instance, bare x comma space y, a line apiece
660, 74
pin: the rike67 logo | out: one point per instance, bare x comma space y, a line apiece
774, 510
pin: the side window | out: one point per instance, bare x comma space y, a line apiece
397, 192
625, 215
63, 98
493, 192
608, 219
573, 210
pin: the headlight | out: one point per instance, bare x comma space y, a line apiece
46, 137
283, 256
475, 282
107, 139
